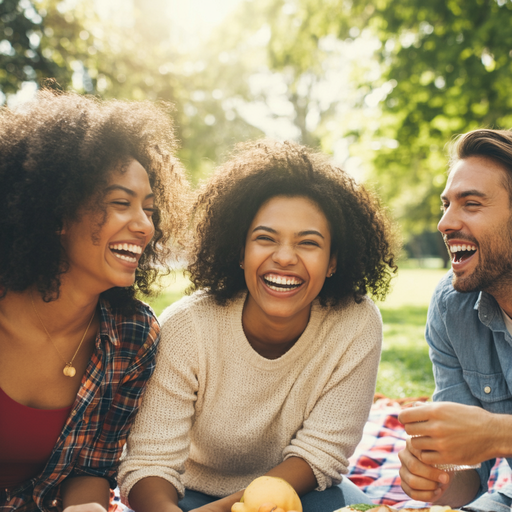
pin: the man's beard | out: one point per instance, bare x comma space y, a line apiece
493, 272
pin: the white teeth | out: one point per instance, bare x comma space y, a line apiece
136, 249
459, 248
131, 259
271, 278
275, 288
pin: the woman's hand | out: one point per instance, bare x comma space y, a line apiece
86, 507
214, 506
222, 504
85, 494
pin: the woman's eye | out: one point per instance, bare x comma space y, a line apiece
309, 242
264, 238
121, 203
150, 210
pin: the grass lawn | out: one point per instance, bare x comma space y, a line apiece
405, 369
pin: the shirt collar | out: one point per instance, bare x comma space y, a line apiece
108, 323
489, 312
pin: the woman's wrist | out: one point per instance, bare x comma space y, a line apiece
81, 490
154, 494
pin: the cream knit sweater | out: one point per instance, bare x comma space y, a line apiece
216, 414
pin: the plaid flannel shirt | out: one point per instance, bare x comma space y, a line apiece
95, 432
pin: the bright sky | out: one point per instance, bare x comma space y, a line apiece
204, 12
194, 19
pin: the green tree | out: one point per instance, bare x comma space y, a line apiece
445, 68
21, 56
450, 67
134, 60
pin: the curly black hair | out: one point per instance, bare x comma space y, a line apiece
56, 156
362, 238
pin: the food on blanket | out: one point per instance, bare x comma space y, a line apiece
270, 507
385, 508
268, 494
360, 507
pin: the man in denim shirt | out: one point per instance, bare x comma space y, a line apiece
469, 331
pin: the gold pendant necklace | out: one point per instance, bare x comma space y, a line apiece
69, 370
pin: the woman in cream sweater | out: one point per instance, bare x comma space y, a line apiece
270, 366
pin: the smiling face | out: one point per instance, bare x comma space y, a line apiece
103, 255
477, 225
287, 258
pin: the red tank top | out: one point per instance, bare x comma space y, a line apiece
27, 438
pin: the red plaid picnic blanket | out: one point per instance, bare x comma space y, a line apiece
375, 464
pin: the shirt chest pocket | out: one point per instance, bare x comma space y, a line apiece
491, 389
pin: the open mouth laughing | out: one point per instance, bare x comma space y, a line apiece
461, 252
282, 283
126, 252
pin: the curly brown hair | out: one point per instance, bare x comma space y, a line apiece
56, 156
228, 202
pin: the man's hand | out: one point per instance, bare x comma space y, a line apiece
449, 433
421, 481
86, 507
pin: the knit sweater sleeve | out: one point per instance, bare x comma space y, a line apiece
158, 444
334, 426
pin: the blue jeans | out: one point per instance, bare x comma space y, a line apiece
498, 501
329, 500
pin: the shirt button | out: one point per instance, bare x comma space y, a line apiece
54, 503
487, 389
73, 413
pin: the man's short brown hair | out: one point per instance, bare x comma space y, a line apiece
493, 144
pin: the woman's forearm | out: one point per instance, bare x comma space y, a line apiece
294, 470
153, 494
297, 472
85, 489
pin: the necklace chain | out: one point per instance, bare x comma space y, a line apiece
69, 370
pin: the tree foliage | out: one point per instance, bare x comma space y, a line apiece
445, 68
451, 67
134, 61
438, 68
21, 55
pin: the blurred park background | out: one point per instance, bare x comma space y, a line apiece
380, 85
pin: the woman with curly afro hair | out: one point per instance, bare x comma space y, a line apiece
269, 368
92, 200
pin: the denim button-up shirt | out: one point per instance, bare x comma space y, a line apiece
471, 352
